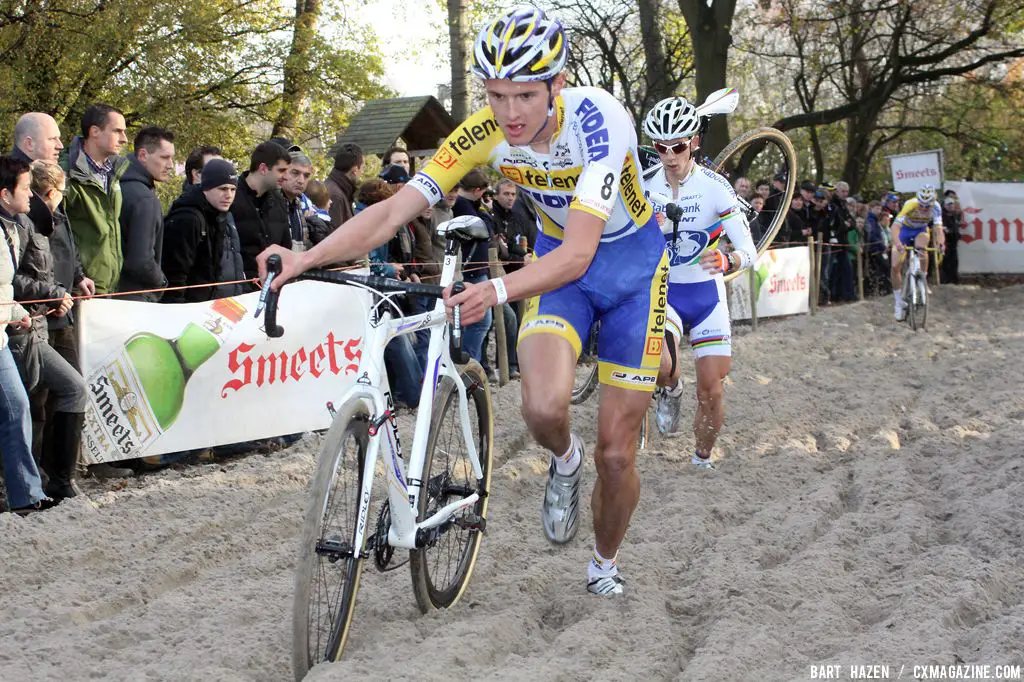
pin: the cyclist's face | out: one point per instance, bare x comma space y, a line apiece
521, 109
673, 161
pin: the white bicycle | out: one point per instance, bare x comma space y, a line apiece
915, 288
436, 506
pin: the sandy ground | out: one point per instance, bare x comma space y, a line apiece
866, 509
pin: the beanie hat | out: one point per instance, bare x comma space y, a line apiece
218, 172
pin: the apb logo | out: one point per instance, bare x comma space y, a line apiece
445, 159
689, 245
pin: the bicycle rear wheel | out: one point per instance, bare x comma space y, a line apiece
764, 153
442, 569
329, 562
586, 370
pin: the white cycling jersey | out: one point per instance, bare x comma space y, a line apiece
710, 207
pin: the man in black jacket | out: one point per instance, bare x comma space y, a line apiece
201, 245
260, 209
142, 222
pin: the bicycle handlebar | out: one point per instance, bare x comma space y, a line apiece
269, 298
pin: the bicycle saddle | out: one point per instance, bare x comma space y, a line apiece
465, 228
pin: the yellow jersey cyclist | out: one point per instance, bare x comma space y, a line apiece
573, 151
696, 291
911, 228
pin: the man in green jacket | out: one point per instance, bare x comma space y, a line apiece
93, 198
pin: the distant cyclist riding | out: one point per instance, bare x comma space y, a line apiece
573, 151
911, 228
705, 209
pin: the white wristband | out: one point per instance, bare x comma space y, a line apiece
499, 289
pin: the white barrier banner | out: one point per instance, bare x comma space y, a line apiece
992, 230
911, 171
782, 282
172, 377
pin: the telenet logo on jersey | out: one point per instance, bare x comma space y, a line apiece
445, 159
471, 134
531, 177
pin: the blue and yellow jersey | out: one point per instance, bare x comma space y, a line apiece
914, 216
591, 165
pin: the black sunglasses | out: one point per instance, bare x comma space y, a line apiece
676, 148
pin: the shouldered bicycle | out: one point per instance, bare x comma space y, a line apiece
436, 506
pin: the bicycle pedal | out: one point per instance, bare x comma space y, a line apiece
472, 522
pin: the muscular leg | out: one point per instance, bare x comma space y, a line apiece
921, 241
896, 261
666, 375
711, 370
548, 367
617, 489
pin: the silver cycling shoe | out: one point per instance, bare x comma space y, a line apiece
560, 513
666, 410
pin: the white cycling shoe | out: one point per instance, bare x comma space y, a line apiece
607, 586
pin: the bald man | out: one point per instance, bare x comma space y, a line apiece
37, 138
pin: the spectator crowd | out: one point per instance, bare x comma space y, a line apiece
844, 225
87, 220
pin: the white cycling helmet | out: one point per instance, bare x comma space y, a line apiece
672, 118
926, 195
522, 45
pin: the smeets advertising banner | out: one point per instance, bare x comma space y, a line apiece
782, 285
165, 378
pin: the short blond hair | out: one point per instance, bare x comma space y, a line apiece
46, 175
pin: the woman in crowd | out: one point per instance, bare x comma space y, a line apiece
21, 477
59, 377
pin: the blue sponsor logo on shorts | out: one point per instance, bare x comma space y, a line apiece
688, 246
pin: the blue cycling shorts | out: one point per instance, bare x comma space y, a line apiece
626, 289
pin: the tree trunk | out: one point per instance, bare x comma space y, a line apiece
654, 50
296, 69
460, 66
710, 31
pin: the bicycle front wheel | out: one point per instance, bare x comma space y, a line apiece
329, 562
762, 153
442, 569
922, 301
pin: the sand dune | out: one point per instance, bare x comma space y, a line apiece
867, 508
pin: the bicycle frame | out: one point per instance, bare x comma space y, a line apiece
911, 274
373, 389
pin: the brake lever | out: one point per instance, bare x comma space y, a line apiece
268, 299
457, 288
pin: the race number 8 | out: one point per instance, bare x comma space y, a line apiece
606, 187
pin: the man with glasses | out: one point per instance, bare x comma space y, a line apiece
696, 293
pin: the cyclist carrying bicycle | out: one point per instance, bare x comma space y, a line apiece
911, 227
573, 151
696, 293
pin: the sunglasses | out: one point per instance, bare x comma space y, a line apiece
676, 148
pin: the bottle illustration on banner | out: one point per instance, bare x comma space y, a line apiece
138, 392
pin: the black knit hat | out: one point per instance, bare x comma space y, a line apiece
218, 172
